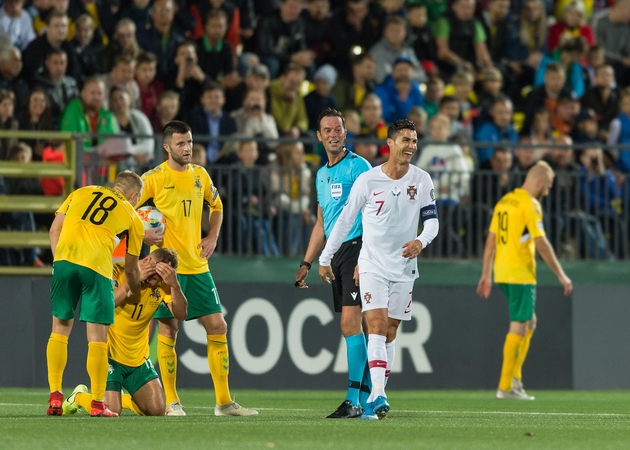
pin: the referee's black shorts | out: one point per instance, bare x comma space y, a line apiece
345, 292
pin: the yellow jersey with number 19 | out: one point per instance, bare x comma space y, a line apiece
128, 336
180, 196
517, 220
95, 215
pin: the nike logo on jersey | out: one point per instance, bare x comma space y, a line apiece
377, 193
169, 187
354, 295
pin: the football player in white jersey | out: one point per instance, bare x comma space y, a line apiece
393, 198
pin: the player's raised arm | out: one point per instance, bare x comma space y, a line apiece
315, 245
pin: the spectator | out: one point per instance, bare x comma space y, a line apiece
10, 68
491, 83
16, 23
252, 202
421, 37
150, 89
613, 34
366, 149
122, 43
391, 47
433, 96
603, 99
620, 132
461, 40
350, 92
320, 98
7, 122
257, 78
373, 124
496, 26
102, 12
86, 114
123, 74
200, 10
316, 17
166, 111
595, 58
287, 102
54, 152
185, 76
449, 106
498, 129
216, 57
161, 38
546, 96
86, 47
351, 31
282, 38
55, 37
38, 10
252, 121
567, 109
132, 122
419, 116
59, 87
398, 92
571, 52
61, 6
139, 13
36, 115
209, 119
524, 158
572, 25
463, 84
585, 128
540, 131
292, 186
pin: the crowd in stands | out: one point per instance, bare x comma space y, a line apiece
506, 74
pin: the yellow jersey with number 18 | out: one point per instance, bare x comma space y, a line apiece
128, 336
517, 220
95, 215
180, 196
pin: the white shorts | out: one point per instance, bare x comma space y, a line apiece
378, 293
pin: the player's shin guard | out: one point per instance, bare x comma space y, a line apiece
168, 367
84, 400
56, 357
357, 359
97, 367
377, 360
522, 354
390, 348
510, 353
219, 362
127, 403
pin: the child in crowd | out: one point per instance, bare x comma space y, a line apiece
463, 84
422, 37
433, 96
418, 116
353, 126
450, 107
325, 78
490, 86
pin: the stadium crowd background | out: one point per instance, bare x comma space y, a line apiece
493, 86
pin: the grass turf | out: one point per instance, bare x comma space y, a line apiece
295, 420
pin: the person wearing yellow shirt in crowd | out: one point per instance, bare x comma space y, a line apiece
179, 190
82, 241
128, 345
516, 233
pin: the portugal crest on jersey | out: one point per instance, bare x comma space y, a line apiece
412, 192
367, 298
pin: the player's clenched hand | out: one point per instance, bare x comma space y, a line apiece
567, 284
207, 244
300, 278
412, 249
483, 288
167, 273
326, 274
153, 236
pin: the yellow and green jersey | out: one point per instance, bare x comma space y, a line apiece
128, 337
180, 196
517, 220
95, 215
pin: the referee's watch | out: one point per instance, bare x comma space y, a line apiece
305, 263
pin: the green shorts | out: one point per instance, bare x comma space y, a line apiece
71, 283
521, 299
202, 296
130, 378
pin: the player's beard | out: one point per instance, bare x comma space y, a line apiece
179, 159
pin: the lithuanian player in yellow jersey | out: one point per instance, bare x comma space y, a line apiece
82, 241
179, 190
128, 351
516, 233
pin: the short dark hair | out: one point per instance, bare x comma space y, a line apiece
146, 58
396, 127
54, 13
55, 51
215, 14
210, 85
358, 59
123, 59
167, 256
448, 99
330, 112
174, 127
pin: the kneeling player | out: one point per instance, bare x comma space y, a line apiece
128, 339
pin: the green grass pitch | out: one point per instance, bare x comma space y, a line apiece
295, 420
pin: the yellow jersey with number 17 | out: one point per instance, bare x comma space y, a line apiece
128, 336
95, 215
180, 196
517, 220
